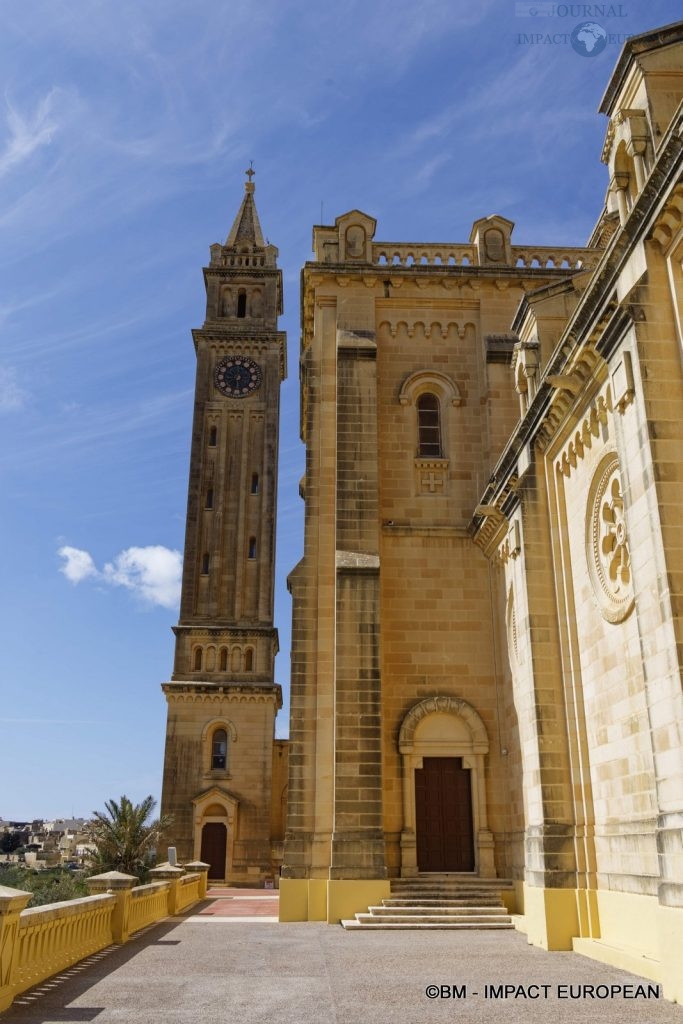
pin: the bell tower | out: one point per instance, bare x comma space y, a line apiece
223, 698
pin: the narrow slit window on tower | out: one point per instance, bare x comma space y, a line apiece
249, 660
219, 750
213, 437
241, 303
429, 427
254, 483
209, 498
252, 547
223, 663
205, 564
197, 665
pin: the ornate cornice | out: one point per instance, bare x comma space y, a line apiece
216, 632
670, 221
592, 333
207, 693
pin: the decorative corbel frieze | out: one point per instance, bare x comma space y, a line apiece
570, 382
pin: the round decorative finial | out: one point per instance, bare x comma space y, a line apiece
250, 172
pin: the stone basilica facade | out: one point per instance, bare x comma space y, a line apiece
486, 663
487, 635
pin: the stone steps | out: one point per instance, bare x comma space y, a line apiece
388, 909
441, 901
428, 899
416, 925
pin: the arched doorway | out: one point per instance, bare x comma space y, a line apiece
444, 830
443, 743
215, 824
214, 848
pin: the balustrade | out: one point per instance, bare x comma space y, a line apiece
446, 255
37, 943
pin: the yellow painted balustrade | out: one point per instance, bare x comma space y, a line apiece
189, 891
37, 943
148, 903
54, 937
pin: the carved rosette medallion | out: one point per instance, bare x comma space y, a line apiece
607, 544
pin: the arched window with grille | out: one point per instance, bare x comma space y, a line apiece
219, 750
428, 426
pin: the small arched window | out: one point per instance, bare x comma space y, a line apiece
213, 437
205, 564
219, 750
249, 660
254, 483
241, 303
252, 547
223, 660
209, 498
197, 665
428, 426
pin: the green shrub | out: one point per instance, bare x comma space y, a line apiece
53, 886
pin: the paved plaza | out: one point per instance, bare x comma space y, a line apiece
229, 961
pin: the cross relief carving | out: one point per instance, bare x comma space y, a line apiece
431, 475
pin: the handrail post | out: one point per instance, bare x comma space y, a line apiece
12, 902
118, 884
203, 869
167, 873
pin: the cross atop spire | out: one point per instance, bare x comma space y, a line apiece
246, 227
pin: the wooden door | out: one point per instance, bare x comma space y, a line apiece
214, 844
443, 815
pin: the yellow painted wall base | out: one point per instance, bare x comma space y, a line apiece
509, 898
303, 899
625, 930
322, 899
550, 917
640, 936
625, 960
628, 921
670, 928
346, 897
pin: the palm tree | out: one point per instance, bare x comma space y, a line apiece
125, 838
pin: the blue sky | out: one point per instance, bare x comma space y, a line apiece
125, 129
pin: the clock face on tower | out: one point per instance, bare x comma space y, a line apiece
237, 376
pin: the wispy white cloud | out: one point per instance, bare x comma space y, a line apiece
78, 564
151, 573
12, 395
27, 132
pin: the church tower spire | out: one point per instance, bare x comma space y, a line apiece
246, 228
225, 638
